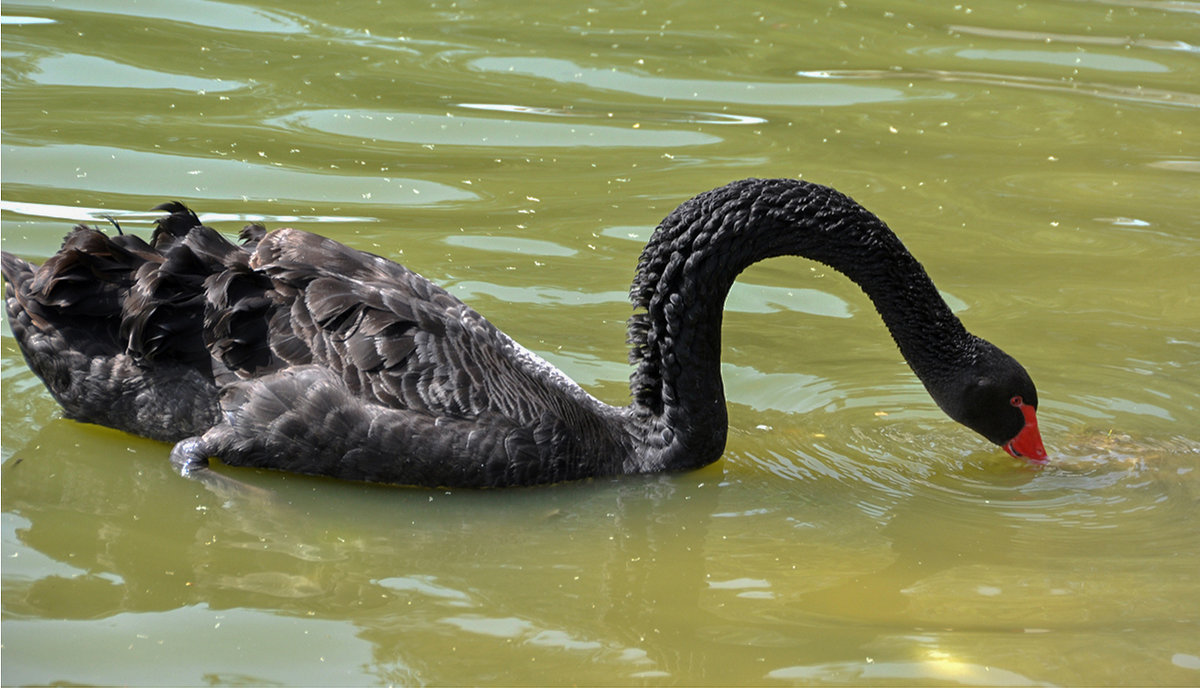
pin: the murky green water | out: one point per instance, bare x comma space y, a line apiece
1042, 160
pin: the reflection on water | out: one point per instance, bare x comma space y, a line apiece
697, 575
852, 534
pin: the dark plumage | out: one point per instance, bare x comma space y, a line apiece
295, 352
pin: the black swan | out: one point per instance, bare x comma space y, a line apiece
295, 352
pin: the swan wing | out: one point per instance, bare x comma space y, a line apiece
353, 366
391, 336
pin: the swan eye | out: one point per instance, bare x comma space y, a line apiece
1017, 401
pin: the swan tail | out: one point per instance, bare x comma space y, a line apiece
17, 274
113, 325
66, 313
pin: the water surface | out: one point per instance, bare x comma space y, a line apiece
1041, 159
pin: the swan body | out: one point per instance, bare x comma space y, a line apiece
295, 352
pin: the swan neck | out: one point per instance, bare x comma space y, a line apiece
691, 262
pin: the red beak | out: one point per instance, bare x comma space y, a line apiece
1028, 443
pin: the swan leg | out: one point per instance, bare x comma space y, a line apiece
190, 456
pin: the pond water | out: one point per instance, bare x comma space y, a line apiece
1041, 159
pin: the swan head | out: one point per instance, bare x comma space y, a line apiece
996, 398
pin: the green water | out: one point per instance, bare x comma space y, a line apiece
1041, 159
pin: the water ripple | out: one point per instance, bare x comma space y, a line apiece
1098, 483
426, 129
1073, 87
1046, 37
115, 170
89, 71
101, 215
662, 115
207, 13
13, 20
711, 90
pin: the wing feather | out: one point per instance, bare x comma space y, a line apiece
390, 335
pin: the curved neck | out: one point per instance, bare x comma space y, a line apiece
690, 263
